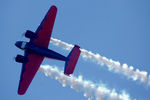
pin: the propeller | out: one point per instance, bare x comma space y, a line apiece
23, 34
14, 58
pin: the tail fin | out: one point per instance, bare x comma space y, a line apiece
73, 58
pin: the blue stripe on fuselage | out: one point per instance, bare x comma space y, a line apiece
31, 48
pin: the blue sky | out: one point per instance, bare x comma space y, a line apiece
117, 29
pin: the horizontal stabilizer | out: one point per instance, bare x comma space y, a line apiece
73, 58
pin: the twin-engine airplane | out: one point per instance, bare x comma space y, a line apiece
37, 49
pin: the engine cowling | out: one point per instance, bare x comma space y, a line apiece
21, 59
31, 35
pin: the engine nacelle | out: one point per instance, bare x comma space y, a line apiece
31, 35
21, 59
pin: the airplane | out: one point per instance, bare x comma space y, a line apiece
37, 49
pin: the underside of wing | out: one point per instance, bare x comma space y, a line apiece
44, 31
29, 70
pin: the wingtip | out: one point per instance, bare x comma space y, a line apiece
53, 7
67, 74
21, 93
77, 46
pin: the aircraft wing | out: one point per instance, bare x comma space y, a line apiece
28, 72
45, 29
30, 68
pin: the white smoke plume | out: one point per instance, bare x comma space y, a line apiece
114, 66
91, 90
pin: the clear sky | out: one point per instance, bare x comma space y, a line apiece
117, 29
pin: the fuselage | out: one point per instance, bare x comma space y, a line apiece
39, 50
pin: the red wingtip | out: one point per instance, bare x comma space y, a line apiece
21, 92
77, 46
54, 7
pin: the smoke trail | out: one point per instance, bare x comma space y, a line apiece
89, 88
115, 66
